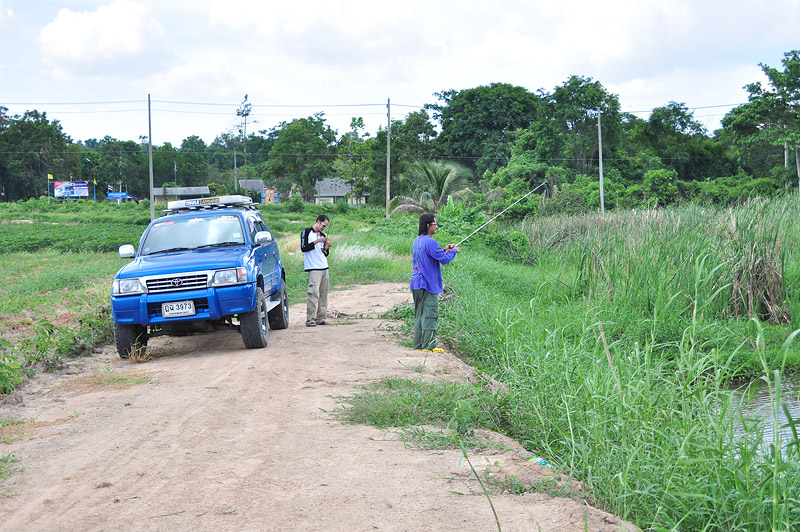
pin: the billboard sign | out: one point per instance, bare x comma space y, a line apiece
70, 189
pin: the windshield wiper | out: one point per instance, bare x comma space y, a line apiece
170, 250
220, 245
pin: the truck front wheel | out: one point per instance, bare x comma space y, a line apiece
279, 316
129, 338
254, 325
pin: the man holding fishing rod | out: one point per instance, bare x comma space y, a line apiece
427, 257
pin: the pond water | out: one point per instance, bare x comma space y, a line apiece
759, 405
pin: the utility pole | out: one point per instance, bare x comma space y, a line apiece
235, 172
600, 149
150, 157
244, 112
388, 150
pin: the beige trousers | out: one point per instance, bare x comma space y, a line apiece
317, 306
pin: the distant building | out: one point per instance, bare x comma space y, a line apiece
165, 194
254, 185
333, 190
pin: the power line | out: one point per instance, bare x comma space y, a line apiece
274, 106
75, 103
690, 108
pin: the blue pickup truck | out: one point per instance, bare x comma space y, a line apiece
207, 264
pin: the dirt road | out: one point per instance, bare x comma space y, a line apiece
221, 438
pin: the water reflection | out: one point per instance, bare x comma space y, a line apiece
757, 404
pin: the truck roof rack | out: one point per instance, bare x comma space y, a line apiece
217, 202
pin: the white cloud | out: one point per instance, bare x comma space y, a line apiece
6, 12
713, 92
114, 39
335, 52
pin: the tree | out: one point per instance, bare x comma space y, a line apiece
477, 123
34, 147
681, 142
303, 154
124, 163
354, 160
412, 138
194, 144
573, 107
433, 182
4, 153
771, 117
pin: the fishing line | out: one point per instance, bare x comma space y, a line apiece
498, 214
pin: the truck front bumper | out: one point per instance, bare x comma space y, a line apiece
209, 303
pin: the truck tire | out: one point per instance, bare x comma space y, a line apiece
129, 338
279, 316
254, 325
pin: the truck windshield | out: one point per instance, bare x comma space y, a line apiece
193, 233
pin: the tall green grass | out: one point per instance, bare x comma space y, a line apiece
654, 273
660, 440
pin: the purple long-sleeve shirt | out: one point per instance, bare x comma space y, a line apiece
426, 258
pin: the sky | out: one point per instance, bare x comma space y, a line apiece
92, 65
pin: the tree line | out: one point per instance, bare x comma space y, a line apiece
502, 139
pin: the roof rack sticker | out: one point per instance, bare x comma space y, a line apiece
218, 201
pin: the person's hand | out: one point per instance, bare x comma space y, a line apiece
320, 239
448, 247
327, 244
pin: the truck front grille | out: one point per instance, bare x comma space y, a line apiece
177, 282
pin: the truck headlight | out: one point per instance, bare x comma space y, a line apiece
127, 287
232, 276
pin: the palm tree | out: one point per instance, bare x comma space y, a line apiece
432, 183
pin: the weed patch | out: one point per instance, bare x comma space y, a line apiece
433, 439
107, 378
396, 402
5, 468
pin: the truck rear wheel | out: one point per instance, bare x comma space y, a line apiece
254, 325
129, 338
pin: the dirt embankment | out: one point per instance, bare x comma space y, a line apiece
216, 437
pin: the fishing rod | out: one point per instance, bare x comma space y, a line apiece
498, 214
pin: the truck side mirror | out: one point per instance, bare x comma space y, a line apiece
126, 251
262, 237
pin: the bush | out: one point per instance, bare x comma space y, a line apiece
508, 245
342, 207
295, 204
10, 370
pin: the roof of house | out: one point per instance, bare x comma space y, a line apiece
252, 184
179, 191
332, 186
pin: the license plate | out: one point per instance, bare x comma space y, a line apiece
177, 308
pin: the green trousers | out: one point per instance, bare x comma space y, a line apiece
426, 313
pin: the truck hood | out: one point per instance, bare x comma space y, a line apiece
184, 261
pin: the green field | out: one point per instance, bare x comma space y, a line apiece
616, 338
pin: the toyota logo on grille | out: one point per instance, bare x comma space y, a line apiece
176, 282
